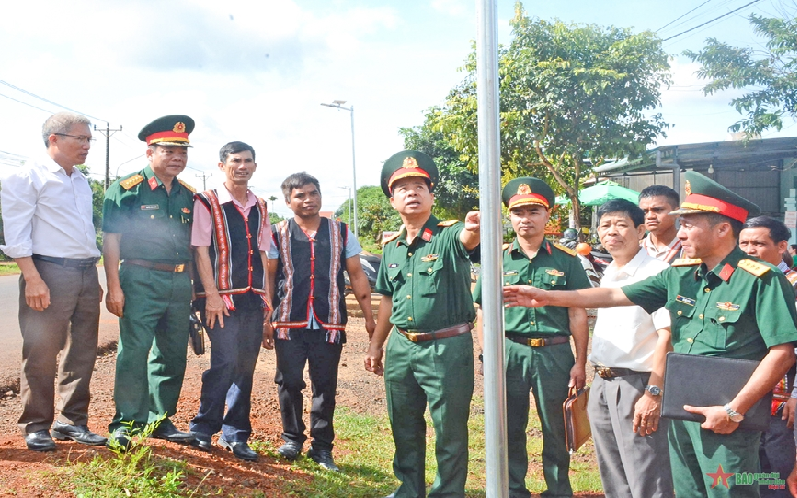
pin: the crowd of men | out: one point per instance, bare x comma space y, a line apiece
706, 276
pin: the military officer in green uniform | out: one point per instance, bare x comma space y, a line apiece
147, 225
723, 303
537, 347
426, 302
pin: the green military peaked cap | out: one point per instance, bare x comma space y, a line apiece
405, 164
704, 195
527, 190
169, 130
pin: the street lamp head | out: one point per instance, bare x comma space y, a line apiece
339, 102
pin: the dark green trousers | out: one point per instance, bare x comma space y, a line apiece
440, 373
545, 371
696, 452
153, 342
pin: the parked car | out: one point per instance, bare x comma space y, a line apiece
370, 263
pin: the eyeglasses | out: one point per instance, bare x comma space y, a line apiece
81, 139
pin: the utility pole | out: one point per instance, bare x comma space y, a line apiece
204, 179
107, 132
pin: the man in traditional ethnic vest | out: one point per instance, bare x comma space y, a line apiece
767, 239
307, 259
231, 235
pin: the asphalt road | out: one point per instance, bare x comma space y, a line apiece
11, 340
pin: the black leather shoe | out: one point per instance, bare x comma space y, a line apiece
239, 449
40, 441
290, 450
120, 437
324, 459
78, 433
201, 441
166, 430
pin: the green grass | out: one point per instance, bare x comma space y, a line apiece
9, 269
363, 450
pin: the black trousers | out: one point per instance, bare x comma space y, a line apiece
307, 346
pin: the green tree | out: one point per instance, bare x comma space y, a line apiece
770, 75
375, 215
457, 191
571, 97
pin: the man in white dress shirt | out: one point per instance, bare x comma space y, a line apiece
629, 347
47, 218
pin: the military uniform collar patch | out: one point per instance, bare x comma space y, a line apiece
726, 272
153, 183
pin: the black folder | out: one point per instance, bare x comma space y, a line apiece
699, 380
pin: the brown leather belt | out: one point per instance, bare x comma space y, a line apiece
538, 342
67, 262
605, 372
169, 267
416, 336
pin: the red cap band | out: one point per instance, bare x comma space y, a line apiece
523, 199
710, 204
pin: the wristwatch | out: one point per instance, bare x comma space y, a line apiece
733, 415
654, 390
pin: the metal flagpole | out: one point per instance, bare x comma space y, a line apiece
491, 238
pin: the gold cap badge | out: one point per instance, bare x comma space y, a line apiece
688, 188
410, 162
179, 127
523, 189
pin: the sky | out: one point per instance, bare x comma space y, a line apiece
257, 71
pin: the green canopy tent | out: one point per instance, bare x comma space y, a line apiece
600, 193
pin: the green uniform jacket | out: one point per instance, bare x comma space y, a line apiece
727, 311
154, 225
429, 280
551, 268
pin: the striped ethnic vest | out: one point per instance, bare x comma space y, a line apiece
234, 252
310, 270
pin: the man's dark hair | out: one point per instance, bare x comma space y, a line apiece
777, 230
235, 148
298, 180
716, 218
622, 206
661, 191
793, 246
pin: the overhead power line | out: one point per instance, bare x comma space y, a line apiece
29, 105
3, 82
683, 15
711, 21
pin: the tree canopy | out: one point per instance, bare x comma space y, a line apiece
375, 216
770, 75
571, 97
457, 191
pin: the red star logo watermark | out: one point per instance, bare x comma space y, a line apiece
720, 475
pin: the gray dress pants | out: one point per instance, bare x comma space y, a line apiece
630, 465
68, 326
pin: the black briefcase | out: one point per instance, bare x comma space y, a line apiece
698, 380
196, 333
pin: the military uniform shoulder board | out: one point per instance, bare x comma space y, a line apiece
447, 223
392, 237
131, 182
506, 246
753, 267
189, 187
566, 249
686, 262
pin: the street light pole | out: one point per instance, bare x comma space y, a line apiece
349, 189
339, 105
